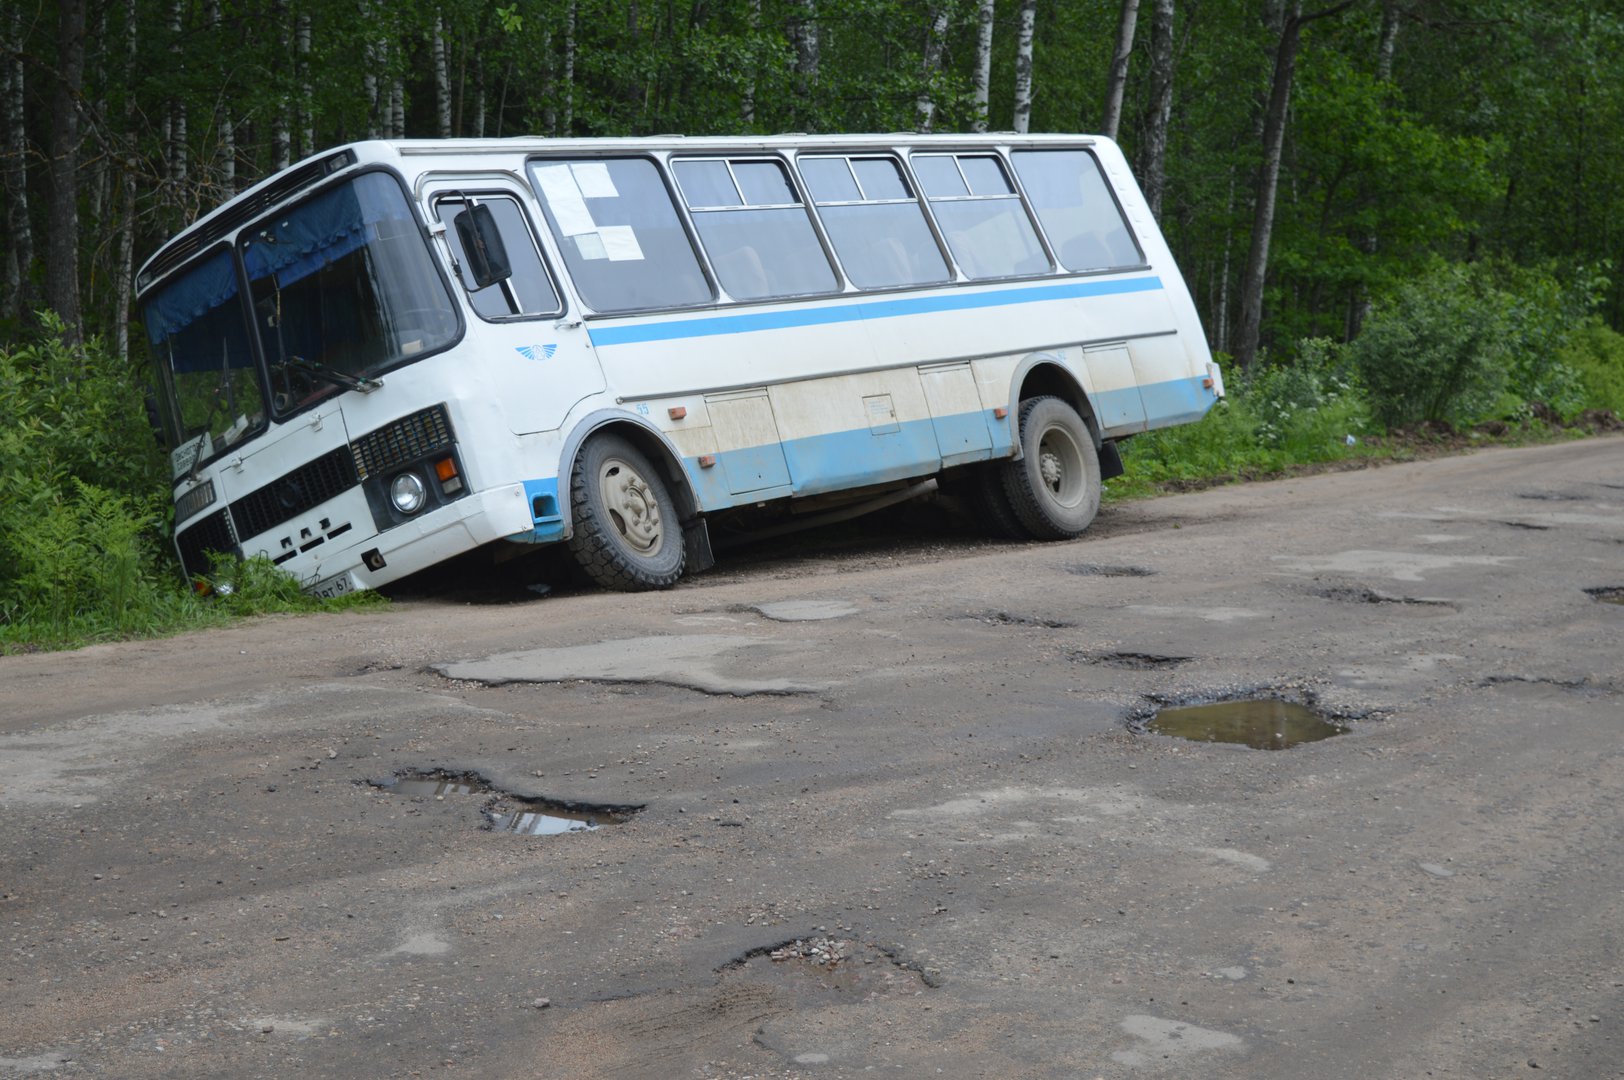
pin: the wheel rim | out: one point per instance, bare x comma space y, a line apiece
632, 506
1060, 467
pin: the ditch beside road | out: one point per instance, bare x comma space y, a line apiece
901, 810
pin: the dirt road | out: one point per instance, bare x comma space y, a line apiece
887, 813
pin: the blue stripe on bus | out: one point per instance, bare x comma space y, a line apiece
673, 329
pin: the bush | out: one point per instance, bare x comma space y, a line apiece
85, 509
1437, 350
1595, 353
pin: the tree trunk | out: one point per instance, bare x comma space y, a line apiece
20, 297
925, 103
805, 32
307, 94
176, 148
1023, 66
1274, 137
1153, 149
124, 252
1116, 79
747, 106
983, 79
62, 234
569, 67
442, 77
226, 169
1387, 44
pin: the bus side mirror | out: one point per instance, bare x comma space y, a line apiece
482, 248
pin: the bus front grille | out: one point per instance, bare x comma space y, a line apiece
212, 533
295, 492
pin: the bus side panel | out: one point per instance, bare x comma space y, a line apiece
856, 430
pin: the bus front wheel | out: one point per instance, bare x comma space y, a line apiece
626, 533
1054, 490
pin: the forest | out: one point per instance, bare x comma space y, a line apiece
1405, 210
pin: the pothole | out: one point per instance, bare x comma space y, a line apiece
1260, 723
1523, 525
1610, 594
1103, 570
1551, 496
829, 970
1133, 660
503, 811
1358, 594
1008, 618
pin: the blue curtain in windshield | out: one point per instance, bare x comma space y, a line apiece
324, 229
298, 243
204, 288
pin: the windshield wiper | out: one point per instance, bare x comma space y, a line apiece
337, 378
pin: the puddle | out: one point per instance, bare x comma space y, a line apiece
1612, 594
1100, 570
505, 811
1135, 660
1261, 723
1007, 618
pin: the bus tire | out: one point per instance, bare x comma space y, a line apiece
1054, 489
626, 532
990, 505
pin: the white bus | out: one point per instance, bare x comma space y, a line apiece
394, 352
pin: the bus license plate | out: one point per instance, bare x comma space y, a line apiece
335, 586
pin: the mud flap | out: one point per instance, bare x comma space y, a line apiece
1110, 460
696, 538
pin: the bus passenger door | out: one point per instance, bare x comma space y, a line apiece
956, 413
537, 365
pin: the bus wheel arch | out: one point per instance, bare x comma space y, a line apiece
1045, 376
633, 517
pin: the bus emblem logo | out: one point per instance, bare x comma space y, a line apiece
536, 352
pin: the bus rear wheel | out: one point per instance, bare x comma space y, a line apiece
626, 533
1054, 490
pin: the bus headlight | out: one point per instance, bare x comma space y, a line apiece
407, 492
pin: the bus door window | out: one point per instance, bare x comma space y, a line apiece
1079, 214
877, 227
621, 237
529, 291
986, 227
755, 228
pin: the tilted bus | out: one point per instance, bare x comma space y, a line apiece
394, 352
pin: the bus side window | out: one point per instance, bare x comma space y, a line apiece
986, 226
621, 237
754, 227
529, 292
1078, 212
877, 227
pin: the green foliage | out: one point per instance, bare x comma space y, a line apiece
1595, 353
1282, 416
1435, 349
84, 510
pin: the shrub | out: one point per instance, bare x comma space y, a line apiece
1436, 350
1596, 354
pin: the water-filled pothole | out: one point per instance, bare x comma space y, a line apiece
1612, 594
504, 811
1261, 723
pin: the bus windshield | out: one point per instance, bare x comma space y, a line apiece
341, 282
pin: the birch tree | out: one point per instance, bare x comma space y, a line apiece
983, 72
936, 31
1023, 66
1153, 146
1116, 79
